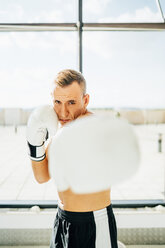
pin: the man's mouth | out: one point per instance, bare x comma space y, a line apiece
64, 121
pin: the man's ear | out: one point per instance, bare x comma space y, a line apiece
86, 100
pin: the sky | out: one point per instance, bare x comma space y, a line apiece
122, 69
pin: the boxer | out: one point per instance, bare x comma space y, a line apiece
85, 217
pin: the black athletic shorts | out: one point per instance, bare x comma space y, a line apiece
95, 229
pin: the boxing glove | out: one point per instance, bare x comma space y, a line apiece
92, 154
43, 122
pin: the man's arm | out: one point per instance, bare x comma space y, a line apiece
42, 122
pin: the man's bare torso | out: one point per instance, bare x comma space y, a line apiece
83, 202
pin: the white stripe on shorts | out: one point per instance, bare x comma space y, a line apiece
103, 238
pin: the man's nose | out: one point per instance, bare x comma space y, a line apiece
64, 111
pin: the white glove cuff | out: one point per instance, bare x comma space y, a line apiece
37, 153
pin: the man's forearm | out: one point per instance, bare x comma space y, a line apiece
40, 170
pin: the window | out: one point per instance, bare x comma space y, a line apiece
123, 66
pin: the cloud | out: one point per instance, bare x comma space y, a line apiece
5, 41
55, 11
60, 41
95, 6
12, 13
48, 16
140, 15
99, 44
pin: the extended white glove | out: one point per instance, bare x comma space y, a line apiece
92, 154
43, 122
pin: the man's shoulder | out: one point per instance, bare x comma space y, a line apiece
89, 113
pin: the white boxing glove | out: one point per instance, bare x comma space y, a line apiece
92, 154
43, 122
57, 169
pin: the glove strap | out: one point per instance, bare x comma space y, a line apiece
36, 153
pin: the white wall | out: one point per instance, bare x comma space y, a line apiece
18, 116
14, 116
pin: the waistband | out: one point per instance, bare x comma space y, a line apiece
85, 216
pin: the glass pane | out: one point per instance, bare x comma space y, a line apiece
28, 65
38, 11
125, 69
162, 2
125, 72
120, 11
29, 62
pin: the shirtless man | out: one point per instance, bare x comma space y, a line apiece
83, 220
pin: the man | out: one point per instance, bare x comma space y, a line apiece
83, 220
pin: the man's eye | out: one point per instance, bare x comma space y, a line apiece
71, 102
57, 102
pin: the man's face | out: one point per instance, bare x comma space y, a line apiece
69, 102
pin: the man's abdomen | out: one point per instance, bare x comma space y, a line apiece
83, 202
